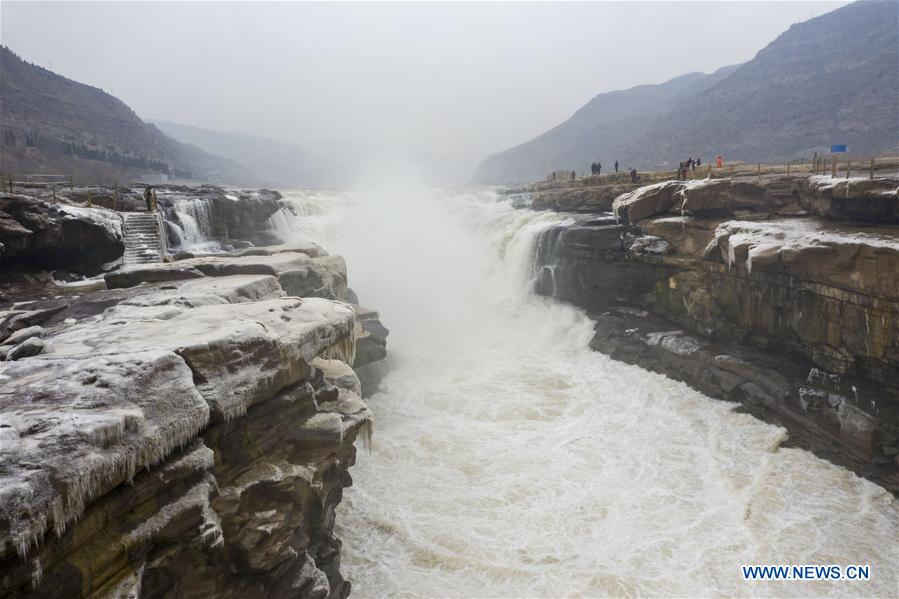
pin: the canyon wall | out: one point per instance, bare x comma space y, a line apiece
780, 293
183, 428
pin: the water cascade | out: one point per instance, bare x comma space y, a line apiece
189, 223
511, 460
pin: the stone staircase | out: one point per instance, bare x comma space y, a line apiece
142, 238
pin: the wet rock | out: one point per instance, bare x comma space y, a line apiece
650, 245
850, 422
239, 215
30, 347
16, 320
371, 337
23, 334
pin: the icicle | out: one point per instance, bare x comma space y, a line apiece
366, 432
344, 349
37, 573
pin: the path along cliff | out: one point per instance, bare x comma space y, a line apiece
180, 428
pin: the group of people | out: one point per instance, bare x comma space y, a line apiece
686, 166
596, 168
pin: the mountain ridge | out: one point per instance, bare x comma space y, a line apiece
774, 107
272, 162
51, 122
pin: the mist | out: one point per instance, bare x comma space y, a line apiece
436, 87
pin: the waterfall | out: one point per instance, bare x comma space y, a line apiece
189, 223
510, 460
547, 258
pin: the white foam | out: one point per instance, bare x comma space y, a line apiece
510, 460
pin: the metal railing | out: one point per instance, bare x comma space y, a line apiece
830, 165
9, 181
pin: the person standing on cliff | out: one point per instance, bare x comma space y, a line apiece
148, 198
573, 175
616, 166
633, 175
599, 168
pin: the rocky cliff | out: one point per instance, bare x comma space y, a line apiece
182, 429
779, 293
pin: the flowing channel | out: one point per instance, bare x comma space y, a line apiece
509, 459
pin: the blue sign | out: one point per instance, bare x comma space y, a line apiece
837, 149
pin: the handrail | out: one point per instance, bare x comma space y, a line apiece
824, 166
163, 242
9, 180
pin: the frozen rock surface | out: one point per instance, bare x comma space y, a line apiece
297, 272
42, 234
186, 432
780, 278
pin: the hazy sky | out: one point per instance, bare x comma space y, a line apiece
445, 84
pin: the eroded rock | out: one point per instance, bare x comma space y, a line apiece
46, 235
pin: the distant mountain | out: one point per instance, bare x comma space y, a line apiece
54, 124
595, 129
832, 79
273, 163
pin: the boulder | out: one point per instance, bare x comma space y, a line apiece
688, 235
708, 198
646, 201
23, 334
371, 337
44, 235
862, 199
30, 347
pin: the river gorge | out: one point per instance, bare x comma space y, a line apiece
499, 453
509, 459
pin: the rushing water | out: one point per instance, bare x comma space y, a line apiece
190, 222
510, 460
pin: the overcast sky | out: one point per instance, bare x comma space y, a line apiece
444, 84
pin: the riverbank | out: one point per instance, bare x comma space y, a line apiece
179, 427
777, 293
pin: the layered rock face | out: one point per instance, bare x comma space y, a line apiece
753, 291
186, 431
